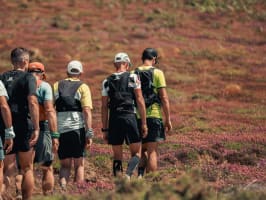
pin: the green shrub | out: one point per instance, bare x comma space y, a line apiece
59, 22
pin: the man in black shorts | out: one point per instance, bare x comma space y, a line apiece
156, 99
74, 117
21, 88
118, 93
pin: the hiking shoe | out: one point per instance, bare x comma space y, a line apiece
140, 177
18, 195
127, 177
63, 186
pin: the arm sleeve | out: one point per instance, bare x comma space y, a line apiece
159, 79
3, 91
104, 88
48, 93
136, 81
85, 96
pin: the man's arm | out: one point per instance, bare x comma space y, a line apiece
142, 111
7, 118
166, 108
52, 122
34, 114
105, 116
5, 112
88, 124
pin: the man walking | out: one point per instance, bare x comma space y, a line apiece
153, 88
21, 88
73, 105
119, 123
48, 139
6, 131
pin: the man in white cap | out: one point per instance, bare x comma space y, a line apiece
121, 91
73, 105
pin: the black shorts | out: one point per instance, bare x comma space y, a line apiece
23, 128
155, 130
123, 127
72, 144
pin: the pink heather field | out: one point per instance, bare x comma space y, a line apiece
213, 55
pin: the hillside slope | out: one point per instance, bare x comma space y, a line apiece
213, 56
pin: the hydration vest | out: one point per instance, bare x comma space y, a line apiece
121, 97
9, 79
147, 86
66, 101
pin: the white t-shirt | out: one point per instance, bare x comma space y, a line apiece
3, 91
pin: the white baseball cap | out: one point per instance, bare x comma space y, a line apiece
74, 67
122, 57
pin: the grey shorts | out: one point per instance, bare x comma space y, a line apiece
43, 147
155, 130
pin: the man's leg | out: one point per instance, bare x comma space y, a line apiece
143, 161
64, 172
152, 156
44, 155
47, 179
18, 183
117, 159
10, 168
1, 176
26, 164
135, 150
79, 169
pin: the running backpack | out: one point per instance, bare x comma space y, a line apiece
9, 79
121, 97
147, 86
66, 101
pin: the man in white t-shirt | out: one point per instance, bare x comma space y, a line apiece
120, 91
6, 130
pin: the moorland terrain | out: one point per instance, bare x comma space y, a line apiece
213, 55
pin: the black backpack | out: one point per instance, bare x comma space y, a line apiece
121, 97
147, 86
9, 79
66, 101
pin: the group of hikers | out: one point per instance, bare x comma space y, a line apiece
39, 120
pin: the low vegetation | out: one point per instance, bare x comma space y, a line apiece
213, 56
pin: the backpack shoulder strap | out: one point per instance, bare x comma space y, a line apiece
68, 88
